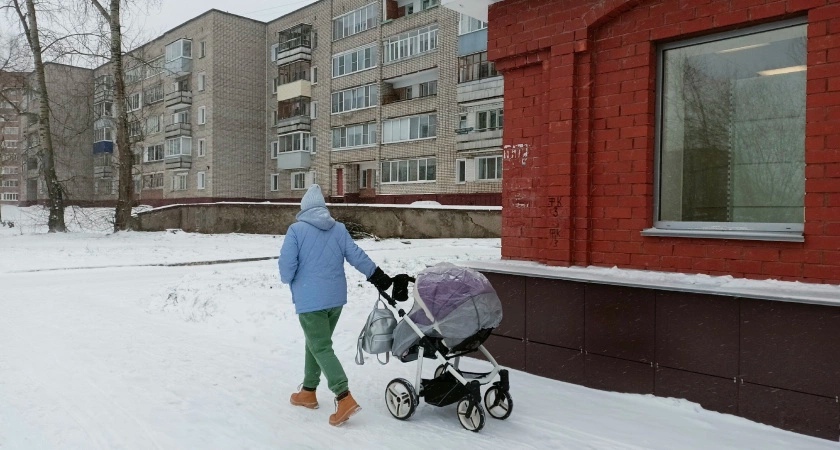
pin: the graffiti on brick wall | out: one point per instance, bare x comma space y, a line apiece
517, 152
554, 233
520, 200
554, 206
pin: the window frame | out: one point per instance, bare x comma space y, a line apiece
765, 231
498, 165
293, 180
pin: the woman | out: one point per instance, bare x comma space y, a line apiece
312, 263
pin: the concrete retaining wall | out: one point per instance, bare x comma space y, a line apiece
272, 218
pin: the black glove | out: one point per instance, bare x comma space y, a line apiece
380, 280
400, 292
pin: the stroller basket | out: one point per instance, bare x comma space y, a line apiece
431, 344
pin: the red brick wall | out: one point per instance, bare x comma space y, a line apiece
579, 135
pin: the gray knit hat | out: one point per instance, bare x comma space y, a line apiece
313, 198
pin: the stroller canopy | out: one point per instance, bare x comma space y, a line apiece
450, 302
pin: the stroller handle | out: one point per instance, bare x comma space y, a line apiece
399, 289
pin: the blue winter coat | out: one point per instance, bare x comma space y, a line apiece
312, 260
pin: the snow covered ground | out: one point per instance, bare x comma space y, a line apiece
102, 347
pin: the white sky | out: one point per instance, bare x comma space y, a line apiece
171, 13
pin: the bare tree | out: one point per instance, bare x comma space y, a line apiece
27, 14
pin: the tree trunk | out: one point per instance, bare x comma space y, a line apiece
54, 188
125, 191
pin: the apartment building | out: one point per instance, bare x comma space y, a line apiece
11, 94
385, 102
70, 97
194, 97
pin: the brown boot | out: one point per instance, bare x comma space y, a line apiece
345, 406
305, 398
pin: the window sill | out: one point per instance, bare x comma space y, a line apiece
719, 234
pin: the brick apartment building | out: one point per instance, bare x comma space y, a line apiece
690, 137
386, 102
11, 94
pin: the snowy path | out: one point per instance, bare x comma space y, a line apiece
206, 356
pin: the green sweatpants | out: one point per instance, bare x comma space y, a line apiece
318, 327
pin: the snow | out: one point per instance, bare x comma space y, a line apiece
102, 347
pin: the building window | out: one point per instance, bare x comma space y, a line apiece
314, 76
475, 67
10, 196
181, 48
355, 60
135, 128
202, 81
153, 94
275, 182
9, 170
409, 128
202, 147
180, 146
313, 110
313, 147
298, 181
411, 43
153, 124
289, 73
731, 125
293, 142
294, 37
11, 130
355, 21
201, 180
155, 67
181, 116
274, 87
103, 134
179, 182
133, 102
103, 109
135, 74
355, 98
11, 183
354, 136
489, 120
153, 181
467, 24
202, 49
460, 170
275, 149
294, 107
366, 177
153, 153
8, 144
489, 168
202, 115
409, 171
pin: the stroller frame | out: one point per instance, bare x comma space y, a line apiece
450, 384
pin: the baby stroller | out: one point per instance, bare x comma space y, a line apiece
455, 310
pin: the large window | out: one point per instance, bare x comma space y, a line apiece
489, 168
489, 120
731, 125
293, 142
288, 73
103, 134
355, 98
411, 43
293, 107
355, 60
153, 153
297, 36
180, 146
409, 128
355, 21
467, 24
475, 67
354, 136
409, 170
153, 94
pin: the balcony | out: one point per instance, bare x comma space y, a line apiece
299, 88
299, 159
467, 140
293, 124
103, 171
178, 99
103, 147
295, 44
178, 162
179, 58
481, 89
174, 130
104, 95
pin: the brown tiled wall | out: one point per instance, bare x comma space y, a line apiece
769, 361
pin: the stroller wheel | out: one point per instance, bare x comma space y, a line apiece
470, 414
498, 402
401, 398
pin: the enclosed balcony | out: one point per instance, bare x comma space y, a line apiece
410, 86
178, 99
179, 58
294, 151
293, 115
178, 153
295, 44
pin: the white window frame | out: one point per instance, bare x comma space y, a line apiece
202, 81
354, 136
467, 24
298, 141
180, 181
274, 182
202, 115
410, 44
134, 101
355, 98
494, 119
10, 196
342, 63
298, 176
356, 21
202, 147
275, 149
153, 153
202, 49
313, 76
201, 181
400, 129
460, 166
177, 147
397, 165
497, 168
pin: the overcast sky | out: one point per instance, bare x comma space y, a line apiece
172, 13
